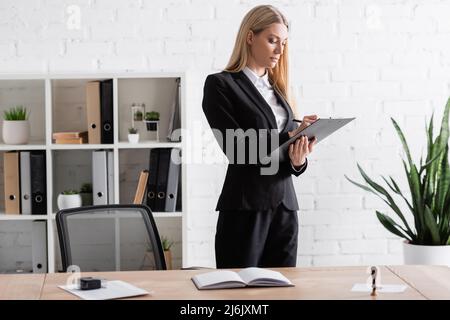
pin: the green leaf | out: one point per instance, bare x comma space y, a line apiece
442, 139
392, 226
418, 219
359, 185
430, 137
445, 217
430, 169
430, 222
443, 184
403, 140
444, 125
394, 187
428, 163
393, 206
416, 189
390, 201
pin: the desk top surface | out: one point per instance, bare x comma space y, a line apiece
424, 282
21, 286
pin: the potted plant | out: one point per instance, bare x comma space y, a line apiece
133, 135
69, 199
167, 244
16, 128
138, 116
86, 194
428, 241
137, 111
152, 120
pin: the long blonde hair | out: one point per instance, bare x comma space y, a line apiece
256, 20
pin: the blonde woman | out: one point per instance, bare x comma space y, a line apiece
257, 224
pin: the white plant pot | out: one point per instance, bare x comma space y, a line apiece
66, 201
133, 137
16, 132
426, 255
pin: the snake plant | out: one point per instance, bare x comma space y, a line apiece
429, 188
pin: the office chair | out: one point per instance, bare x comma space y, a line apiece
117, 237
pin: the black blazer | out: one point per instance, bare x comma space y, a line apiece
231, 101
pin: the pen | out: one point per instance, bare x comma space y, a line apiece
374, 279
299, 121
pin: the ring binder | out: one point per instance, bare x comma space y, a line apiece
12, 183
38, 182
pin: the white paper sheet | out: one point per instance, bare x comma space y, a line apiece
113, 290
384, 288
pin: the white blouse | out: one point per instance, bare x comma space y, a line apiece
264, 87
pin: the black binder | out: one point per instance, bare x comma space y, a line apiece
179, 198
175, 116
38, 182
161, 185
106, 111
173, 178
152, 179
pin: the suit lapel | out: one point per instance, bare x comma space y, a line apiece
253, 93
286, 107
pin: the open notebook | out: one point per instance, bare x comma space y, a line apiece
248, 277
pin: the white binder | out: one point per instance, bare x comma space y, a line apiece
172, 180
25, 182
99, 177
39, 246
110, 155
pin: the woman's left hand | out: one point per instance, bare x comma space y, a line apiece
300, 149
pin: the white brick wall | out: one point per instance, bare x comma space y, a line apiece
372, 59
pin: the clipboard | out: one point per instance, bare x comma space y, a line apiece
320, 129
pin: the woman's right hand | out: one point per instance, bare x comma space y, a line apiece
307, 121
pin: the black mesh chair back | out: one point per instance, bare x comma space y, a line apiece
109, 238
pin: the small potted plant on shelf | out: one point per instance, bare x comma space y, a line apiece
69, 199
133, 135
86, 194
167, 244
137, 111
138, 116
152, 120
16, 128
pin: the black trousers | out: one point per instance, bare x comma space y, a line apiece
247, 238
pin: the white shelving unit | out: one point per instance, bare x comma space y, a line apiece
56, 104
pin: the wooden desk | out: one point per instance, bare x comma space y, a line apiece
21, 286
432, 282
424, 282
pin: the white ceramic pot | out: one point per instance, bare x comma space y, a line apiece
16, 132
66, 201
427, 255
133, 137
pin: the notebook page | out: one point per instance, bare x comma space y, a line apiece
216, 277
263, 276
